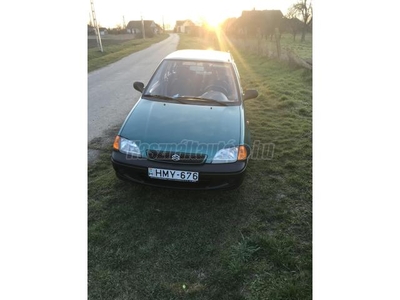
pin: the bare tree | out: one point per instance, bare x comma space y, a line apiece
304, 10
292, 24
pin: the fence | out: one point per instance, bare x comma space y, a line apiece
270, 48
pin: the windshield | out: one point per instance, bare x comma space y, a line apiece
194, 80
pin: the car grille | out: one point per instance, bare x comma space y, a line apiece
176, 157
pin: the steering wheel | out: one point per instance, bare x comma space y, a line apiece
216, 88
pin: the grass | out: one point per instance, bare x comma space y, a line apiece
114, 50
302, 49
251, 243
267, 47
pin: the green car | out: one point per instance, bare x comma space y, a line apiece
188, 130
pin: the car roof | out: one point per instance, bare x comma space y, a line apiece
201, 55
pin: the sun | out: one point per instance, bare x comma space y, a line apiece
212, 22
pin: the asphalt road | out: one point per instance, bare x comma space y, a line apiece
110, 90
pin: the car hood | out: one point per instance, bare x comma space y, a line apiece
201, 128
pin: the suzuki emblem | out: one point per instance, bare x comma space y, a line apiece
175, 157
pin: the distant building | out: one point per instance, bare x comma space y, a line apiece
92, 30
258, 22
184, 26
150, 28
103, 30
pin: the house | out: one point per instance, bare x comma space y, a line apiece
228, 26
92, 30
159, 29
103, 30
258, 22
150, 28
184, 26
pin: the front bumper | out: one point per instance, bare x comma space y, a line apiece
211, 176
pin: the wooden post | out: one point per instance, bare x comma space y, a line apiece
278, 42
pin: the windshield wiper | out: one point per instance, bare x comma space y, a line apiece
161, 97
201, 99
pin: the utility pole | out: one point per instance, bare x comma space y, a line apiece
144, 34
96, 27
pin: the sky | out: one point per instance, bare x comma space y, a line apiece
110, 13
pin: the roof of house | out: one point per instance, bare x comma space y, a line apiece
249, 16
181, 23
138, 24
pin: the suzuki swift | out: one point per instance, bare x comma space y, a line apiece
188, 130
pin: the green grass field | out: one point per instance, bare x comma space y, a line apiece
114, 50
301, 49
251, 243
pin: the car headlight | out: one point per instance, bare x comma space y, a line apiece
126, 146
226, 155
229, 155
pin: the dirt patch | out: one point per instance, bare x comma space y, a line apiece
93, 156
102, 144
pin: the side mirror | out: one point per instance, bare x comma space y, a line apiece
139, 86
250, 94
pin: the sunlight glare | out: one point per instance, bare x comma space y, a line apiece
213, 19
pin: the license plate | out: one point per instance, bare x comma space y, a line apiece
173, 175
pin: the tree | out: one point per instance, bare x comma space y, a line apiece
304, 10
293, 25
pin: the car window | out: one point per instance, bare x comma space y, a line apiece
176, 78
